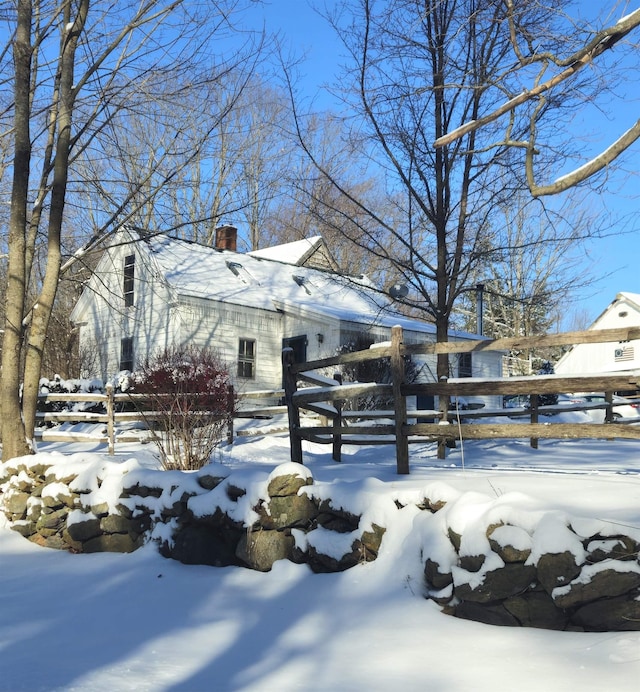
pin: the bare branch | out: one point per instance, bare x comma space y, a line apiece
602, 41
584, 172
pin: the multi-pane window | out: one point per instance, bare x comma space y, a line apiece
129, 275
126, 353
247, 358
464, 365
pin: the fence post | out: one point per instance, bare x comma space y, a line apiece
111, 428
608, 413
534, 418
289, 382
337, 423
399, 402
230, 411
444, 401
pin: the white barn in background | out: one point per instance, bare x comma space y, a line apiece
153, 291
624, 311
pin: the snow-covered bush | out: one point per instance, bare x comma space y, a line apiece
187, 403
59, 385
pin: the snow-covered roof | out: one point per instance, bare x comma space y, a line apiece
309, 252
630, 297
258, 281
291, 253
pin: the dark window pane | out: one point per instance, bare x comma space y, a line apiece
464, 365
126, 353
246, 358
129, 275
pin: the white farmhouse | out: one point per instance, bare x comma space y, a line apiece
623, 311
152, 291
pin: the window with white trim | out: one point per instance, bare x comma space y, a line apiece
247, 358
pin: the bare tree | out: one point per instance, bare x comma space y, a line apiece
74, 66
215, 157
170, 159
546, 70
311, 205
525, 288
267, 153
418, 69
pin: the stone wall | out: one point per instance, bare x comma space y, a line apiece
556, 590
545, 570
195, 518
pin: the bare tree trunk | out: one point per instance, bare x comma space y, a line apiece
41, 312
110, 80
13, 432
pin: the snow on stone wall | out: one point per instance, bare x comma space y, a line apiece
486, 559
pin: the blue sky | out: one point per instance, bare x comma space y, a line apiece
612, 261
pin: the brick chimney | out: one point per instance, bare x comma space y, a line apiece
227, 238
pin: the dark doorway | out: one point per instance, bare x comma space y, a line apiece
426, 402
299, 346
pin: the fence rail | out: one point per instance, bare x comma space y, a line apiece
399, 425
112, 414
331, 397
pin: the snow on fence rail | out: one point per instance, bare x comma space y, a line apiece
113, 414
329, 398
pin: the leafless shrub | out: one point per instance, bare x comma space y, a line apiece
187, 404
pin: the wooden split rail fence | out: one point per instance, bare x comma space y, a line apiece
329, 398
113, 415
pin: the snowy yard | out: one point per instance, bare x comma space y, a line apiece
105, 622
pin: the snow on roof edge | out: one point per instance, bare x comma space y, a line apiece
294, 251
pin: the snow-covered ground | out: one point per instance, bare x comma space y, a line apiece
105, 622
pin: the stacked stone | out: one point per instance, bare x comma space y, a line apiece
284, 521
594, 586
50, 510
587, 577
42, 507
